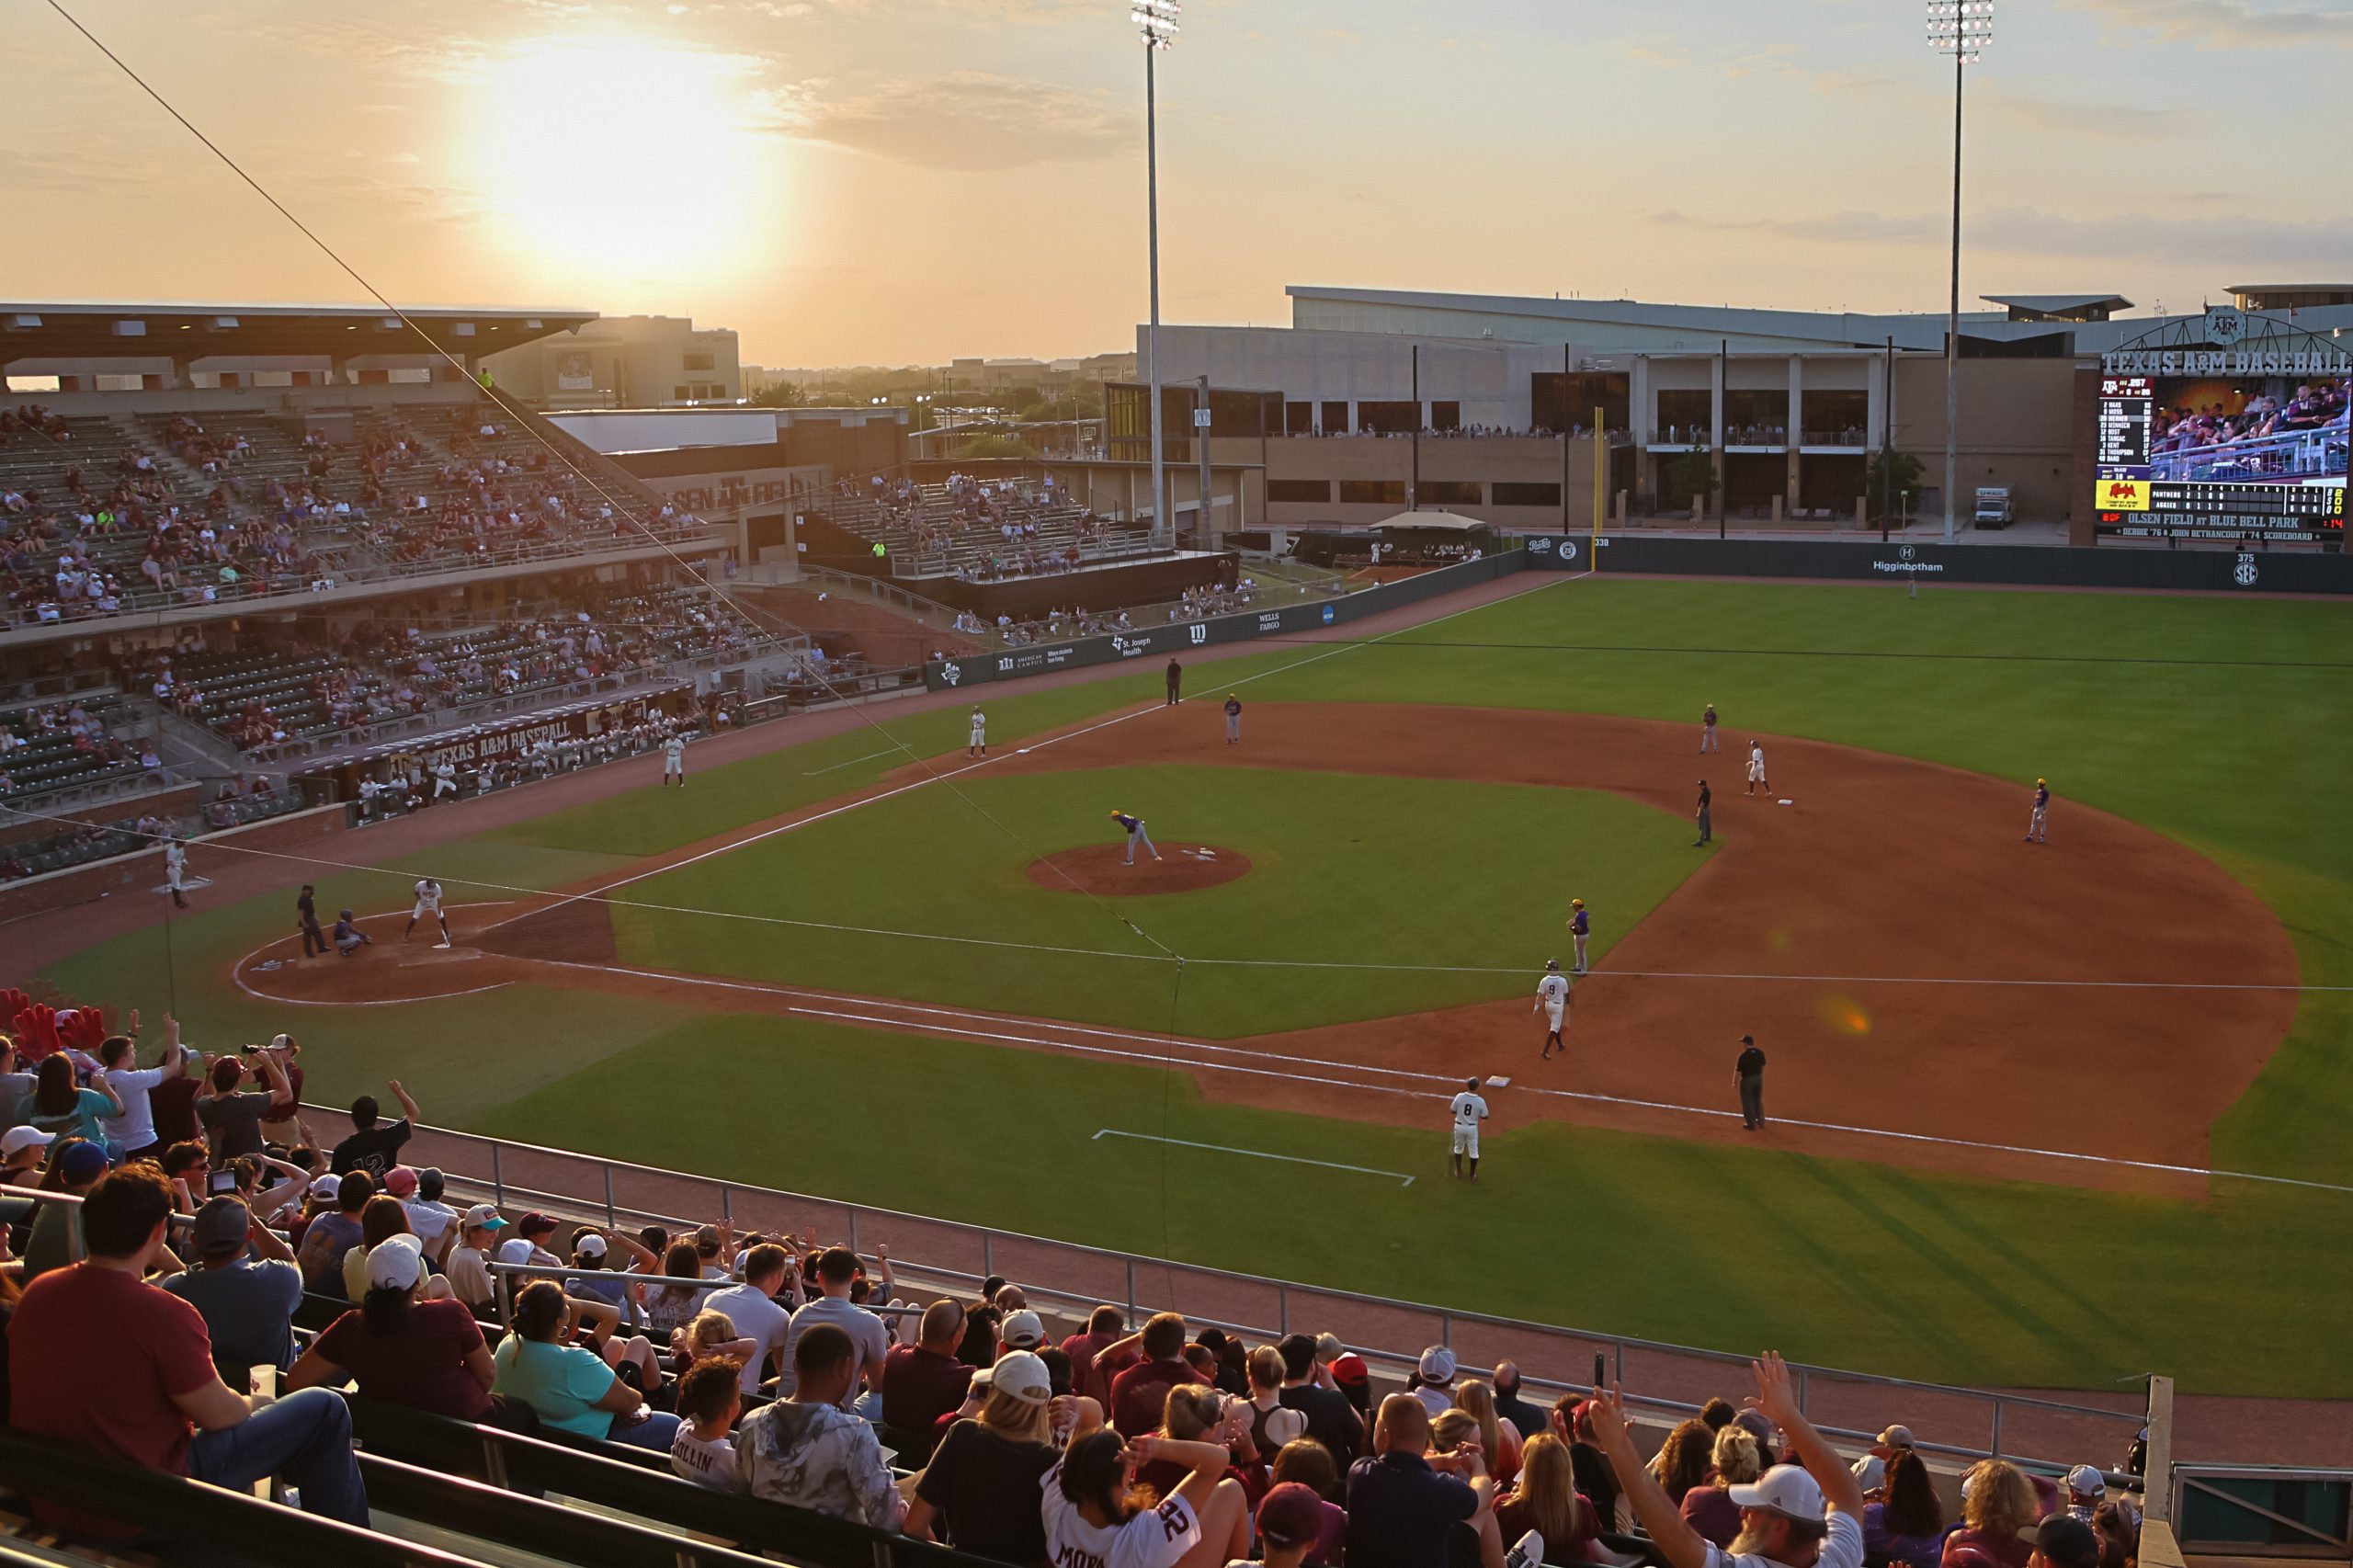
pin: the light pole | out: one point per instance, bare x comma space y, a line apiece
1961, 28
1155, 22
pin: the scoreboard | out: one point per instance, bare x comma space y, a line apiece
2131, 501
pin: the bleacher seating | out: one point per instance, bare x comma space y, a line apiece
980, 530
65, 745
99, 515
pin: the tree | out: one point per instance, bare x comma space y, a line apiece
1692, 475
995, 447
784, 394
1888, 478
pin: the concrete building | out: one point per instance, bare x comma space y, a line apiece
1785, 405
625, 362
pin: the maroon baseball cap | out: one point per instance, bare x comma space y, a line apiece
401, 1182
535, 1224
1290, 1516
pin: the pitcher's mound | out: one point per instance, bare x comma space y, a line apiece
1099, 869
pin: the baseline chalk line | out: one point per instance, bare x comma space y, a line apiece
1253, 1154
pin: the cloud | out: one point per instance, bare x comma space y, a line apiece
2229, 23
2067, 116
1830, 228
2264, 243
88, 164
968, 121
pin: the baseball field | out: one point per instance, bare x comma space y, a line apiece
2040, 1114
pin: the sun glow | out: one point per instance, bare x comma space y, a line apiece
620, 158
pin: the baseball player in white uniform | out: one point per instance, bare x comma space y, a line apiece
445, 779
175, 870
673, 761
1552, 998
428, 901
1756, 770
980, 741
1469, 1111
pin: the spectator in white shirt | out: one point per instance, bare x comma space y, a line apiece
752, 1307
132, 1133
1783, 1521
837, 1272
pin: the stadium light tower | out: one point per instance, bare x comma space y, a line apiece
1155, 22
1961, 28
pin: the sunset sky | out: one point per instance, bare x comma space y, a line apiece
886, 181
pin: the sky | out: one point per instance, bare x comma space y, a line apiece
903, 181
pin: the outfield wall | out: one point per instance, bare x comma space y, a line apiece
1173, 641
1862, 560
1867, 560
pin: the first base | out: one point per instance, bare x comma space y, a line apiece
1787, 802
1497, 1082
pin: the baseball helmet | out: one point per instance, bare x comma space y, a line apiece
2042, 782
1551, 963
1576, 904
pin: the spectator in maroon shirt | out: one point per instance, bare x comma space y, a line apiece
923, 1381
171, 1103
1106, 1327
1707, 1507
1140, 1394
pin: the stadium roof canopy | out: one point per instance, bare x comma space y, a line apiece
2060, 307
102, 330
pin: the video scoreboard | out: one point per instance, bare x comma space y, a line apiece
2212, 460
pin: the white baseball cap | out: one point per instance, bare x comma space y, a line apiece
1870, 1473
19, 1139
590, 1245
516, 1251
1786, 1490
484, 1216
2084, 1480
1437, 1365
396, 1263
1024, 1376
1023, 1331
328, 1186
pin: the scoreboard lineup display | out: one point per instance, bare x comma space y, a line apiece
2216, 456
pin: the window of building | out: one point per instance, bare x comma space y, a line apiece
1446, 416
1336, 419
1450, 493
1316, 492
701, 362
1510, 492
1373, 491
1299, 419
681, 394
1391, 417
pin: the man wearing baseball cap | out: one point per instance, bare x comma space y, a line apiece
1807, 1515
248, 1302
1435, 1374
2086, 1488
2062, 1541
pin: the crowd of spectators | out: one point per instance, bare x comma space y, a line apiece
2313, 406
68, 744
270, 689
791, 1369
978, 530
232, 506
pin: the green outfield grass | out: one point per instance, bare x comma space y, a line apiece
1345, 870
2222, 724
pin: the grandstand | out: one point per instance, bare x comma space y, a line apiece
476, 1483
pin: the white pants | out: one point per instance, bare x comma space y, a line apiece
422, 909
1466, 1141
980, 737
1552, 1019
444, 786
1580, 942
1708, 738
2034, 822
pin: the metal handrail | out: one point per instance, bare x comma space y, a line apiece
1448, 1317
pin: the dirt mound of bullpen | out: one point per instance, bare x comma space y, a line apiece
1101, 869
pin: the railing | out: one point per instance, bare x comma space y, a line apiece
934, 615
1954, 1421
2291, 454
2263, 1511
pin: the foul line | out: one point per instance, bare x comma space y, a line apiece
1254, 1154
841, 1013
869, 757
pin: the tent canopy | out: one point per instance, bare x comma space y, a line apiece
1447, 522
